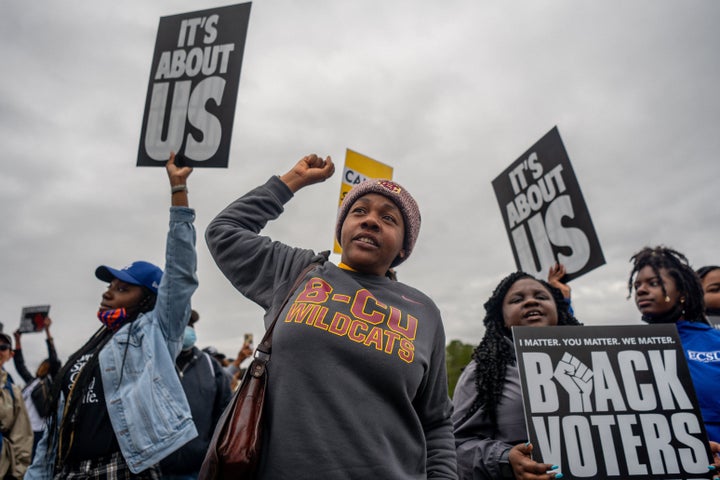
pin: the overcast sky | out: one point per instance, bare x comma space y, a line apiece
448, 93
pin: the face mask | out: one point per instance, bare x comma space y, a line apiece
189, 338
112, 319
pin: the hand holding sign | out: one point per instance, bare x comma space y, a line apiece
523, 466
715, 449
544, 211
555, 278
46, 322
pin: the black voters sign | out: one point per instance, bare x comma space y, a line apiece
611, 402
544, 212
193, 87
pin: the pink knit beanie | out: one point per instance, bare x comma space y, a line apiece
401, 197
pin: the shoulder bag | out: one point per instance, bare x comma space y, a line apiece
234, 450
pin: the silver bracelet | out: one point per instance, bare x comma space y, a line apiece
179, 188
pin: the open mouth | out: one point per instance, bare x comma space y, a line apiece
533, 315
366, 240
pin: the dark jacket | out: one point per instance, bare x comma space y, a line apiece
41, 390
207, 388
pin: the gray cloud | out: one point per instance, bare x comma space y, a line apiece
448, 93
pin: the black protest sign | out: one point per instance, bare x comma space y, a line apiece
32, 319
611, 402
545, 213
193, 87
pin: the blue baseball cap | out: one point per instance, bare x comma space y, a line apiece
137, 273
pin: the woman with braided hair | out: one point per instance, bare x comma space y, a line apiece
488, 420
667, 290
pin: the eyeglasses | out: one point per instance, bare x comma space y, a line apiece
4, 346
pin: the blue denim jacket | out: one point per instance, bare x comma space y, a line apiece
145, 400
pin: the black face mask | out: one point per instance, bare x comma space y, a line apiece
671, 316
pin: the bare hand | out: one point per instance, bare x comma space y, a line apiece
555, 276
245, 352
177, 175
46, 327
309, 170
525, 468
715, 449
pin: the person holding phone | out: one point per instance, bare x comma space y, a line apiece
233, 368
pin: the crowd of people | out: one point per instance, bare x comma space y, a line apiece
357, 386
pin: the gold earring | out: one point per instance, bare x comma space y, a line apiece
667, 298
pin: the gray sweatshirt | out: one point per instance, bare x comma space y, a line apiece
480, 449
357, 383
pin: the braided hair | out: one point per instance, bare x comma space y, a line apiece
64, 431
495, 353
686, 280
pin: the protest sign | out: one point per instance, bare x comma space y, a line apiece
357, 169
611, 402
544, 212
32, 319
193, 86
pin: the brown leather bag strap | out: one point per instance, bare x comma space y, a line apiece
263, 350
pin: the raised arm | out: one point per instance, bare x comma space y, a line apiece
19, 359
179, 280
257, 266
178, 182
52, 353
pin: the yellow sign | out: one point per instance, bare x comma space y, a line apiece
359, 168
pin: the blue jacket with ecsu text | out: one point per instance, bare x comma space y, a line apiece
145, 400
701, 344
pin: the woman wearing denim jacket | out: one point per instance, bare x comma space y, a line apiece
120, 405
